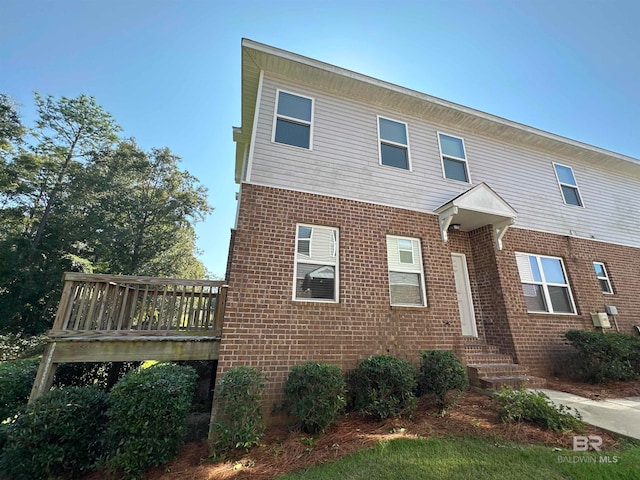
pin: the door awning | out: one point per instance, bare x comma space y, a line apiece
475, 208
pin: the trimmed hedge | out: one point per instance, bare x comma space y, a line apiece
315, 395
442, 375
603, 357
536, 408
61, 434
16, 380
383, 386
240, 421
148, 417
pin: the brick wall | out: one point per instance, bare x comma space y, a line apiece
538, 338
266, 329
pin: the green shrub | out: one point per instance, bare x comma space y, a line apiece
61, 434
148, 417
16, 380
315, 394
606, 356
442, 375
536, 408
240, 421
382, 386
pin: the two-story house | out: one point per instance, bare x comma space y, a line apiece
377, 219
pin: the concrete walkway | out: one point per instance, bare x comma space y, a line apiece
621, 415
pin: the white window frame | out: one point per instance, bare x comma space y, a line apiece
457, 159
545, 285
400, 269
335, 242
299, 121
393, 144
561, 184
605, 278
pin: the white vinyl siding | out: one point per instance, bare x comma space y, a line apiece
544, 284
293, 118
454, 158
568, 185
345, 163
603, 277
406, 275
316, 264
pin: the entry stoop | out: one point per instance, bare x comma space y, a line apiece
489, 369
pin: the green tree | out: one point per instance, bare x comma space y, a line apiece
75, 199
139, 209
69, 129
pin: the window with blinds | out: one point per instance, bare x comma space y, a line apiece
406, 275
316, 265
544, 284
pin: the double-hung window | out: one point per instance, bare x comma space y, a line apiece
406, 276
454, 158
544, 284
603, 277
316, 264
568, 185
394, 143
293, 120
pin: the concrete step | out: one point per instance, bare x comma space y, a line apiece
497, 369
514, 382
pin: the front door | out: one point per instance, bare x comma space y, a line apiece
463, 291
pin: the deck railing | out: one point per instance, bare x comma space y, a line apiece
132, 305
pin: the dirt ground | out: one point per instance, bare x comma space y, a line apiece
283, 450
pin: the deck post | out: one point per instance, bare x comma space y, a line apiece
46, 371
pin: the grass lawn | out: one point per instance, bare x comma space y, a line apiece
477, 459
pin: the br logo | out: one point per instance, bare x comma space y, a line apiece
583, 443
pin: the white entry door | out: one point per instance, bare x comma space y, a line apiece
463, 290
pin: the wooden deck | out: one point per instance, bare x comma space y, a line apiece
105, 318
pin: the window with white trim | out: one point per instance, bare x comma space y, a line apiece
568, 185
603, 277
454, 158
316, 265
394, 143
406, 275
544, 284
293, 120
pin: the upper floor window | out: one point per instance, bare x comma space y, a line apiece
544, 284
394, 143
316, 264
406, 276
568, 185
603, 277
293, 121
454, 159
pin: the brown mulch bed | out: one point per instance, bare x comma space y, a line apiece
597, 391
283, 450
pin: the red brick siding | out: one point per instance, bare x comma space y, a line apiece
266, 329
539, 338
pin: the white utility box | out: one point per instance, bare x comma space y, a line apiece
600, 320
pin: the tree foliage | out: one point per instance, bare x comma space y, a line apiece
75, 197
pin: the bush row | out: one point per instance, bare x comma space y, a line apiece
70, 430
316, 394
606, 356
